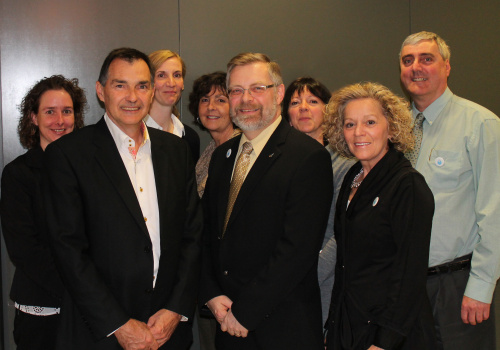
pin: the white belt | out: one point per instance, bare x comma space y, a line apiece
38, 310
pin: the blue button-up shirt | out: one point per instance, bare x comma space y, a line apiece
460, 160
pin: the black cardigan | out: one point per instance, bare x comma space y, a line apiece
383, 237
193, 141
36, 280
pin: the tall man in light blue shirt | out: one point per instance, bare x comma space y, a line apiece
460, 160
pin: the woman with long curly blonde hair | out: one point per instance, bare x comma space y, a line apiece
383, 223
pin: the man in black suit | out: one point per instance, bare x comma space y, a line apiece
262, 239
124, 220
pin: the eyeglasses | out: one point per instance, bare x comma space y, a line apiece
252, 90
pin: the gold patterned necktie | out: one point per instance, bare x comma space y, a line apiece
240, 171
418, 132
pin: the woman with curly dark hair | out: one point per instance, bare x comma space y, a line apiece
52, 108
209, 105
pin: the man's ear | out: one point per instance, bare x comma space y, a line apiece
448, 67
152, 97
280, 93
100, 91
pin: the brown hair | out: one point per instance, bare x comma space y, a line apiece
249, 57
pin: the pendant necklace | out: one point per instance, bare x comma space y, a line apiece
356, 181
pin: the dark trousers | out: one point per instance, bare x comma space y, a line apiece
224, 341
206, 331
35, 332
446, 291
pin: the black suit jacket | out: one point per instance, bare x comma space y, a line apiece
101, 242
266, 263
36, 281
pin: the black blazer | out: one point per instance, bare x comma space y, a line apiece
383, 238
100, 240
267, 261
36, 281
193, 141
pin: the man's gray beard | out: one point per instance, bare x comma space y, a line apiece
266, 120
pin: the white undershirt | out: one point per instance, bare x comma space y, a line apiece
178, 129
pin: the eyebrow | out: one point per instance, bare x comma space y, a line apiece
418, 55
259, 83
117, 81
164, 71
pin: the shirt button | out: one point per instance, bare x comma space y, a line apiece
145, 219
140, 189
226, 273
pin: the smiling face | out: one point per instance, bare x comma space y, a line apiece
169, 82
253, 113
127, 94
55, 116
424, 73
306, 114
366, 131
213, 110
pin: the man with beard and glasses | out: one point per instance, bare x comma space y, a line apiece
267, 202
458, 153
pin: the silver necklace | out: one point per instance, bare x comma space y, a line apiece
356, 182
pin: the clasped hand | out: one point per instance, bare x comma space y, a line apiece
221, 309
136, 335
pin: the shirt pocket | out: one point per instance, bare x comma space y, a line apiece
447, 168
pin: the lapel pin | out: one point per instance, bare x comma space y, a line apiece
228, 153
375, 202
439, 161
272, 154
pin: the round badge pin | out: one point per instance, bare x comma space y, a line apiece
439, 161
228, 153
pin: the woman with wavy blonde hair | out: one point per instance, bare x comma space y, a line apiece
382, 224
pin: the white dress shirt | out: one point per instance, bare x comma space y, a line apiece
140, 171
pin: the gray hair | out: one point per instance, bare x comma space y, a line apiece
415, 38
